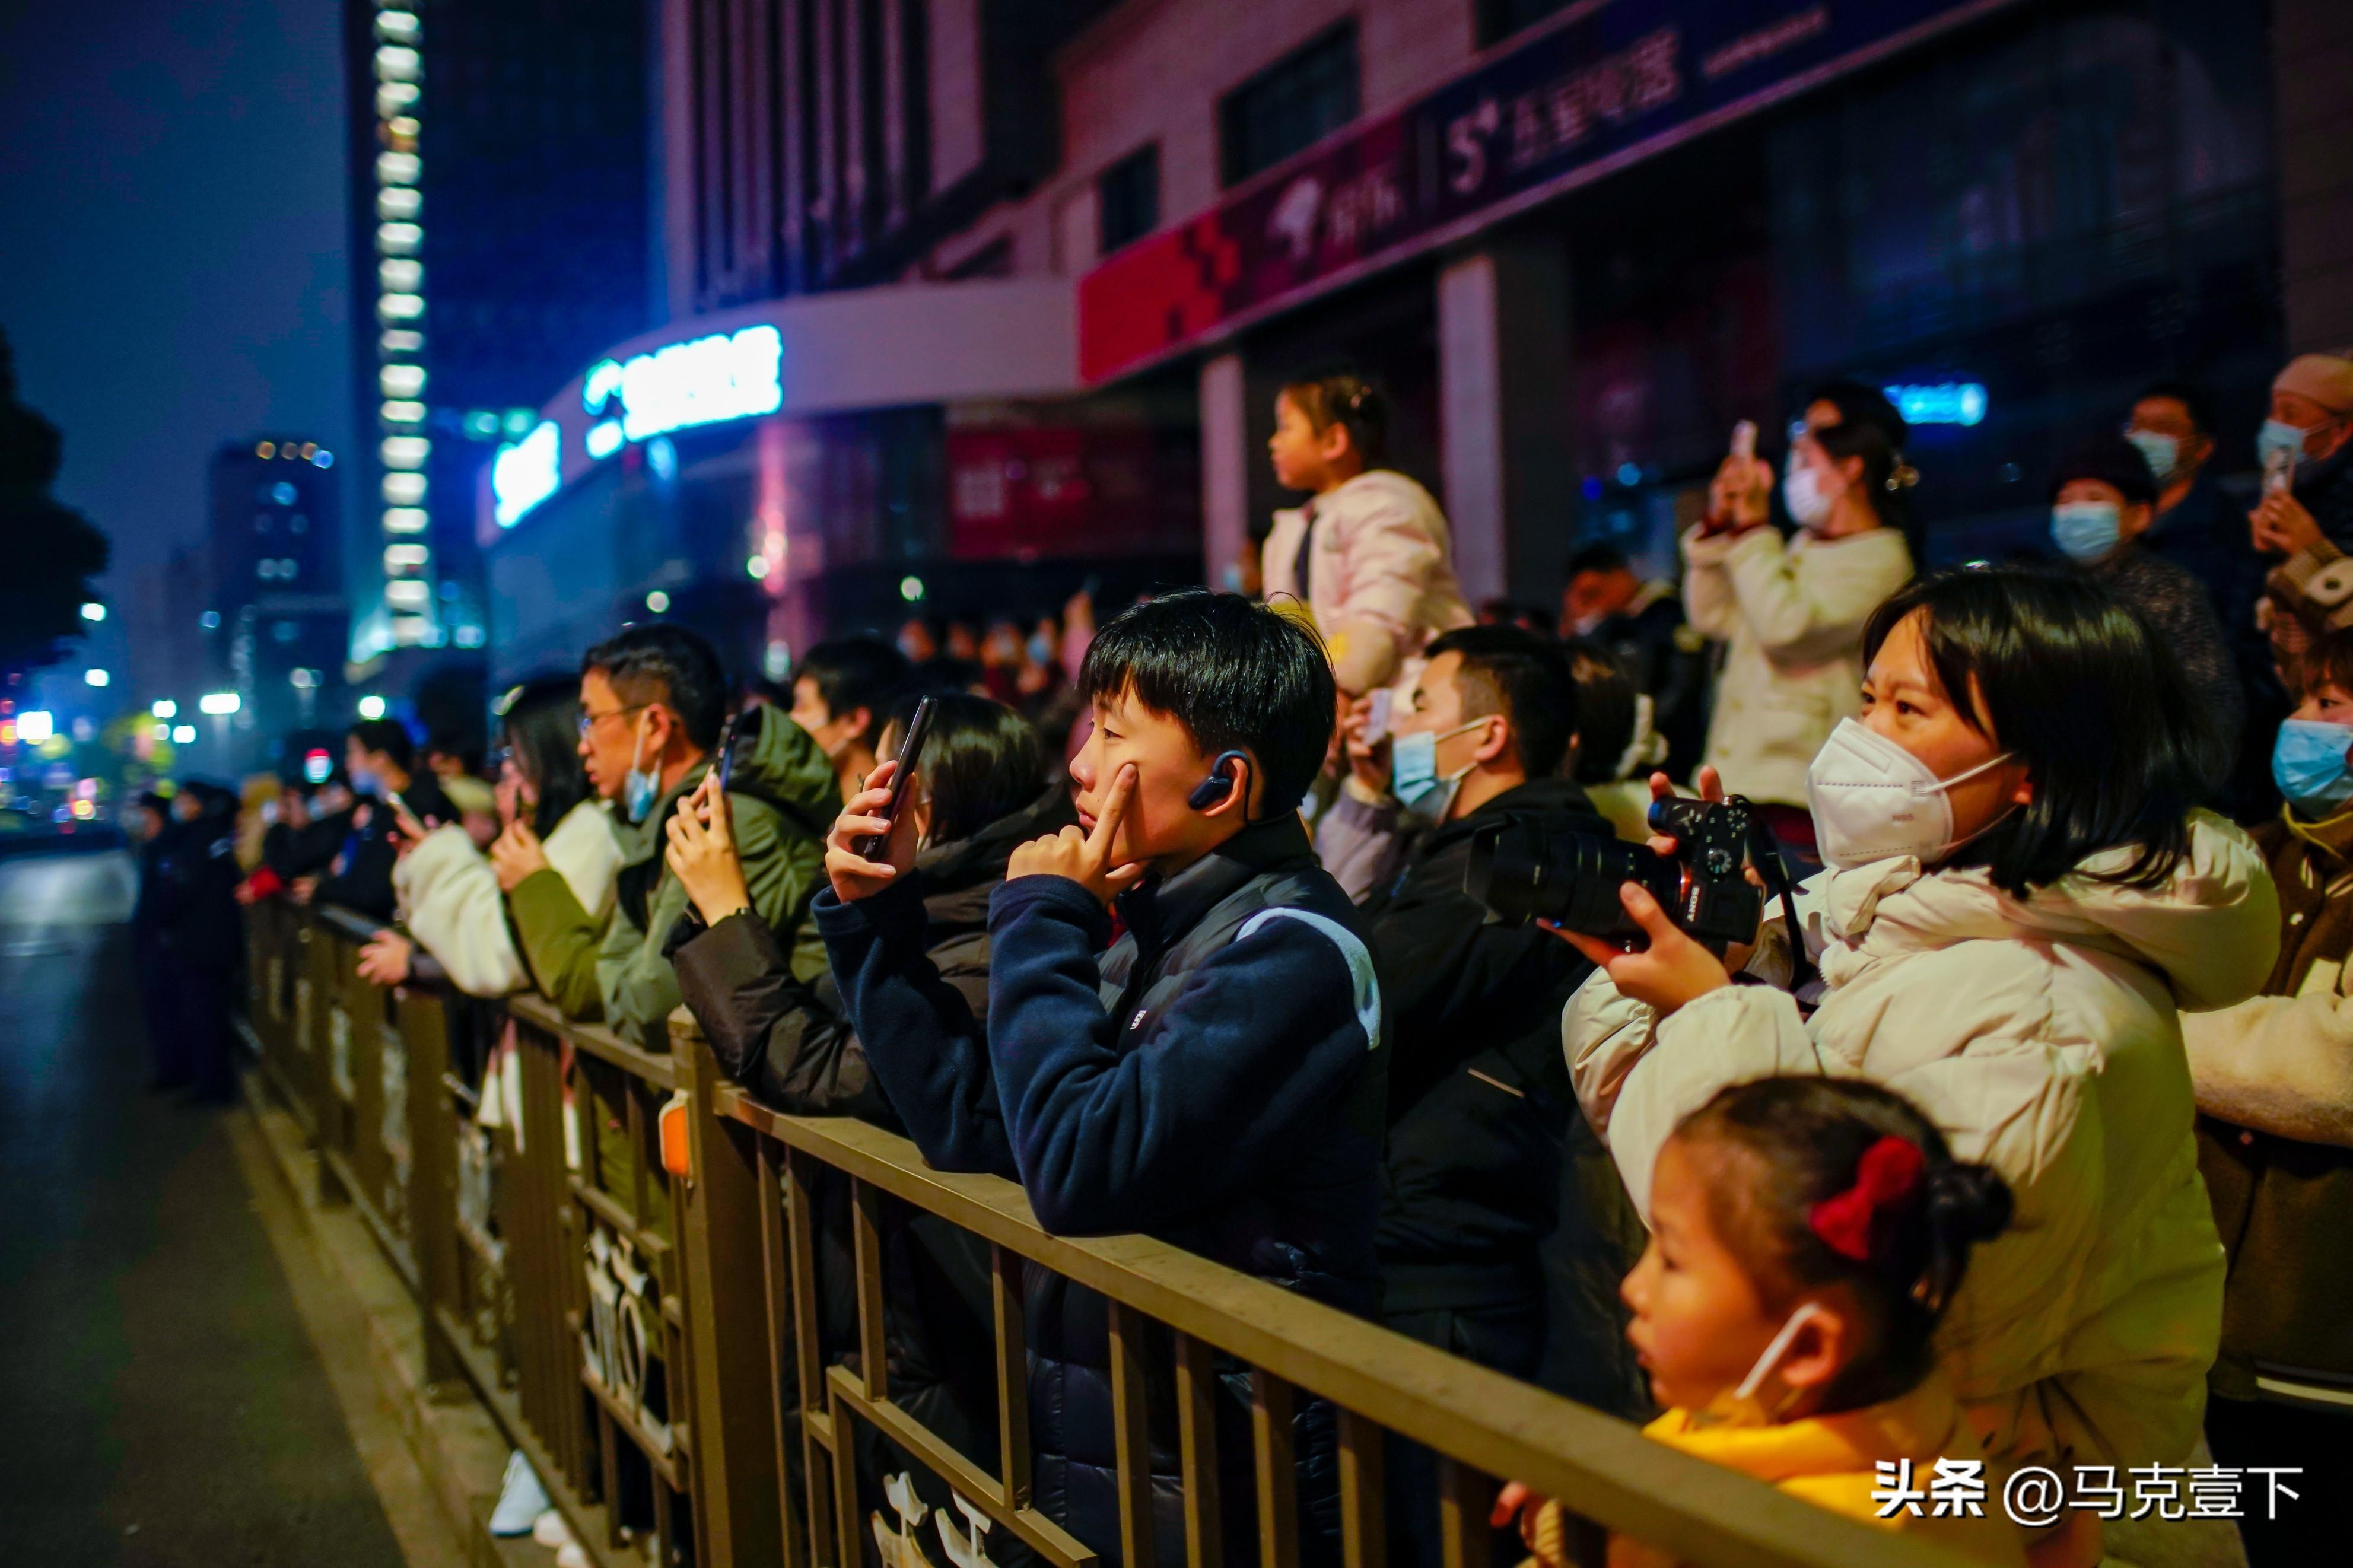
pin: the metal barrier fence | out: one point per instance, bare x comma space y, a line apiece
660, 1345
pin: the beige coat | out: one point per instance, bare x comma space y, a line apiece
449, 897
1382, 579
1793, 614
2042, 1038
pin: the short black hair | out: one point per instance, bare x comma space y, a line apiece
2109, 460
1807, 1136
854, 672
2194, 399
1238, 676
2328, 662
668, 664
982, 761
1524, 675
1859, 403
1352, 401
1600, 557
2078, 688
390, 736
1608, 711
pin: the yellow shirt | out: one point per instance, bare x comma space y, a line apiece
1831, 1461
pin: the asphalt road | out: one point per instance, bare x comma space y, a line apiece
160, 1402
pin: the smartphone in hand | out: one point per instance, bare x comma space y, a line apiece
1744, 440
1376, 716
876, 846
2279, 470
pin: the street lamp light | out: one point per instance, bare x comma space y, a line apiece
96, 677
92, 610
219, 703
165, 708
370, 706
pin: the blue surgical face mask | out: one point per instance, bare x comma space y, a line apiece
2087, 530
2309, 764
2162, 451
2278, 435
1413, 772
639, 788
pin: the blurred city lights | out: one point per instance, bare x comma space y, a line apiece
316, 765
911, 588
218, 703
700, 382
209, 620
183, 734
93, 611
34, 726
658, 600
526, 472
370, 706
96, 677
1940, 402
165, 707
756, 567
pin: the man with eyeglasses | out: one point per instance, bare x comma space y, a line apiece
652, 703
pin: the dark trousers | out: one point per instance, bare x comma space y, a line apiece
159, 1001
202, 994
2318, 1523
1506, 1338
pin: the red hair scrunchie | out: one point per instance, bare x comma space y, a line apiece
1888, 1174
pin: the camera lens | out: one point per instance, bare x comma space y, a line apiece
1572, 878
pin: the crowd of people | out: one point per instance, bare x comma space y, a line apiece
2010, 1138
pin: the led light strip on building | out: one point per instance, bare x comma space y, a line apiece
400, 317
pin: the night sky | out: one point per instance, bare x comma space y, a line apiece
172, 250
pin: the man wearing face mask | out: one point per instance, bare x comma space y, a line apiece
2102, 502
652, 701
382, 762
2273, 1078
2306, 516
842, 693
1497, 1195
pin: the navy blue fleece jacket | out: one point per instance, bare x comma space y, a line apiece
1215, 1077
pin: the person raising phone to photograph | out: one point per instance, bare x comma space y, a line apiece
1792, 610
2021, 897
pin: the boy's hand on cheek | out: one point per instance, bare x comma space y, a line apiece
1085, 858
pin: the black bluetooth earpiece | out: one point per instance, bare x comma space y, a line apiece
1219, 784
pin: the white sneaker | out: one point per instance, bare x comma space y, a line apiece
570, 1555
521, 1500
550, 1530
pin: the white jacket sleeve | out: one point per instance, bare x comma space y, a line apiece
2282, 1065
455, 910
585, 852
1791, 599
1709, 603
1638, 1076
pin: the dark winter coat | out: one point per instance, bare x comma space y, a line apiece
1666, 658
790, 1041
1215, 1078
361, 879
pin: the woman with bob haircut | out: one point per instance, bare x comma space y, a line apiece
2021, 894
452, 901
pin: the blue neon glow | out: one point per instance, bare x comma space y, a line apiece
662, 457
704, 381
526, 472
603, 438
1939, 402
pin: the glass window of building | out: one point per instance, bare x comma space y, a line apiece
1301, 98
1127, 198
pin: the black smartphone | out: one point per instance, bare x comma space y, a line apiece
875, 845
743, 726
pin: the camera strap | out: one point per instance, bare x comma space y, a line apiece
1765, 856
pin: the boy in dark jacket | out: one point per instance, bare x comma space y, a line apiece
1215, 1077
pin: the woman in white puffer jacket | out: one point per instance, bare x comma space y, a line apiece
449, 898
2020, 898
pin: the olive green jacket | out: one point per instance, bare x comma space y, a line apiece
783, 798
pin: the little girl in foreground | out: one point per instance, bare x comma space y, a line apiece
1805, 1233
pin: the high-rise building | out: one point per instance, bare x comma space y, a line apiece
275, 621
498, 154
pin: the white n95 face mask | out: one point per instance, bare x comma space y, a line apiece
1872, 800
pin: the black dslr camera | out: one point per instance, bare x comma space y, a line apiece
1522, 872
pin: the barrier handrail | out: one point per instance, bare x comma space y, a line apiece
735, 1322
1598, 1463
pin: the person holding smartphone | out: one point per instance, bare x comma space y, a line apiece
1791, 610
381, 761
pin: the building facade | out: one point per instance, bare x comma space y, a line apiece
1577, 243
275, 624
502, 233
